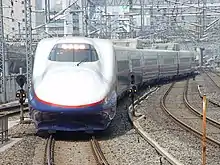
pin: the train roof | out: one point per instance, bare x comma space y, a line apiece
48, 43
151, 50
66, 39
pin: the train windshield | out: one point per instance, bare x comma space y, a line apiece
73, 53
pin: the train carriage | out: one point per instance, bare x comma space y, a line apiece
76, 80
150, 65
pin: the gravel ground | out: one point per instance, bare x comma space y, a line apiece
215, 78
123, 146
194, 99
23, 151
39, 152
17, 117
208, 88
180, 143
184, 114
120, 144
76, 153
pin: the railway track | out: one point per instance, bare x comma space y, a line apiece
190, 118
135, 122
212, 80
99, 155
214, 88
13, 110
95, 146
210, 77
50, 150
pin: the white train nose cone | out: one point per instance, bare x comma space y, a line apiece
70, 88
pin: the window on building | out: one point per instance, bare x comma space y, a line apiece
13, 20
23, 11
22, 2
73, 53
13, 29
23, 20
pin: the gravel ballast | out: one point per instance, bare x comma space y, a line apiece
23, 151
180, 143
120, 143
124, 146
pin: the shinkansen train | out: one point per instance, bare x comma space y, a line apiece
76, 80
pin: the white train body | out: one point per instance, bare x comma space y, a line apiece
76, 80
97, 75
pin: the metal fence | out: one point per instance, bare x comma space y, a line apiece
3, 128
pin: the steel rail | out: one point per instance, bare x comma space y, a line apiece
97, 151
12, 107
144, 135
49, 150
211, 100
182, 124
212, 79
194, 110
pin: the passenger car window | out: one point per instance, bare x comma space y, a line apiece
73, 53
123, 65
136, 62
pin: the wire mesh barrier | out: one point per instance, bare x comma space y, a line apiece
3, 128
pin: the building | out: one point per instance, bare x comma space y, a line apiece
67, 23
14, 18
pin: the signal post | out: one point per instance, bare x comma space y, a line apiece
132, 92
21, 95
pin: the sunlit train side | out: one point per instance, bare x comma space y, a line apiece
151, 65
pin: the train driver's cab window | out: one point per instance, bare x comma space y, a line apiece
73, 53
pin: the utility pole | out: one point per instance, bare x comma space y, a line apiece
203, 23
19, 29
81, 17
28, 40
131, 19
106, 19
47, 14
64, 5
201, 28
151, 20
142, 14
45, 10
86, 18
2, 54
198, 29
